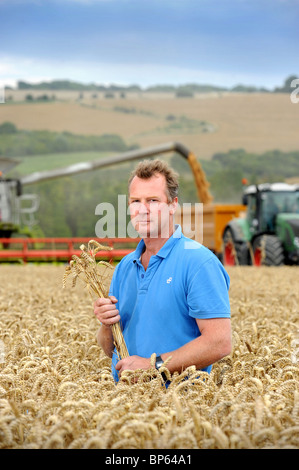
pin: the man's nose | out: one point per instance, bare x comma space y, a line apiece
143, 208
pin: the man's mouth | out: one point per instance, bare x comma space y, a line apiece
143, 221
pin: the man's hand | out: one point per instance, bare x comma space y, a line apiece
106, 311
133, 363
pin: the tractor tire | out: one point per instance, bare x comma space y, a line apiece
268, 251
234, 253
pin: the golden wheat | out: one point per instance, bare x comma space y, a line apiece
97, 283
57, 391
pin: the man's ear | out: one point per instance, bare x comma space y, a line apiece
173, 206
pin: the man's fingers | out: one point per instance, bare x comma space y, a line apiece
110, 316
118, 365
106, 308
106, 311
104, 301
110, 320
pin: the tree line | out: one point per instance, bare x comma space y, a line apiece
15, 142
187, 89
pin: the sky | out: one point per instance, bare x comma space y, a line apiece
149, 42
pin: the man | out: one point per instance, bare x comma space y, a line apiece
171, 293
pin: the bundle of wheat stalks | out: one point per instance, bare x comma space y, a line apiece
87, 269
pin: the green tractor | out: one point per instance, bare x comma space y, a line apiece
269, 234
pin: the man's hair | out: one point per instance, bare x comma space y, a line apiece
148, 168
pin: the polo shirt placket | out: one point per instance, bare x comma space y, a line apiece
145, 276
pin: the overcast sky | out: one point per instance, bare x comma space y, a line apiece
146, 42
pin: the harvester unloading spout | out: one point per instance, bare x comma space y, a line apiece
12, 222
201, 183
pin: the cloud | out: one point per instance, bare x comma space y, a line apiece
149, 41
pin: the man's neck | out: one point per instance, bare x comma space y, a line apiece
153, 245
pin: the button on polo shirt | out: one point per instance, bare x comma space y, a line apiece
158, 306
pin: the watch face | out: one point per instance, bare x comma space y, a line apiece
159, 363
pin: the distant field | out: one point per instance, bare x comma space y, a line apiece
255, 122
30, 164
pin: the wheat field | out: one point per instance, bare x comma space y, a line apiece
56, 390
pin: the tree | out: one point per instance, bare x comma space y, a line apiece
8, 128
184, 92
287, 85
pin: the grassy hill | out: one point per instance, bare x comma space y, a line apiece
207, 123
215, 126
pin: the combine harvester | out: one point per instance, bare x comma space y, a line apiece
236, 238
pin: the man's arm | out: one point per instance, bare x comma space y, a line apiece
105, 339
213, 344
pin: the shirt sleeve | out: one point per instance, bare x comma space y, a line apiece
208, 291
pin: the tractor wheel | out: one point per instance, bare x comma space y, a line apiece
234, 253
268, 251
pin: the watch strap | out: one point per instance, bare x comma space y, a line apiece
158, 364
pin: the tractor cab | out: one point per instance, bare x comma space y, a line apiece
269, 234
266, 201
16, 209
10, 190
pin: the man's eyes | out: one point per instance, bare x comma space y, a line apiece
148, 201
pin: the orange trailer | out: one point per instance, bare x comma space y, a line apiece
206, 223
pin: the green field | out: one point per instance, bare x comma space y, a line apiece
31, 164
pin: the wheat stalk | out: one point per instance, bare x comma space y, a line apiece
86, 268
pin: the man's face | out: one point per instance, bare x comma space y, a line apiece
151, 214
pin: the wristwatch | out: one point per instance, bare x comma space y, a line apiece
158, 364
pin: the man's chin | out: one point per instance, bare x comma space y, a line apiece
145, 232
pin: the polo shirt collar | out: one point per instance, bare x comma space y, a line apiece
166, 248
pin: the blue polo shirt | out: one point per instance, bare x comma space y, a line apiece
158, 307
